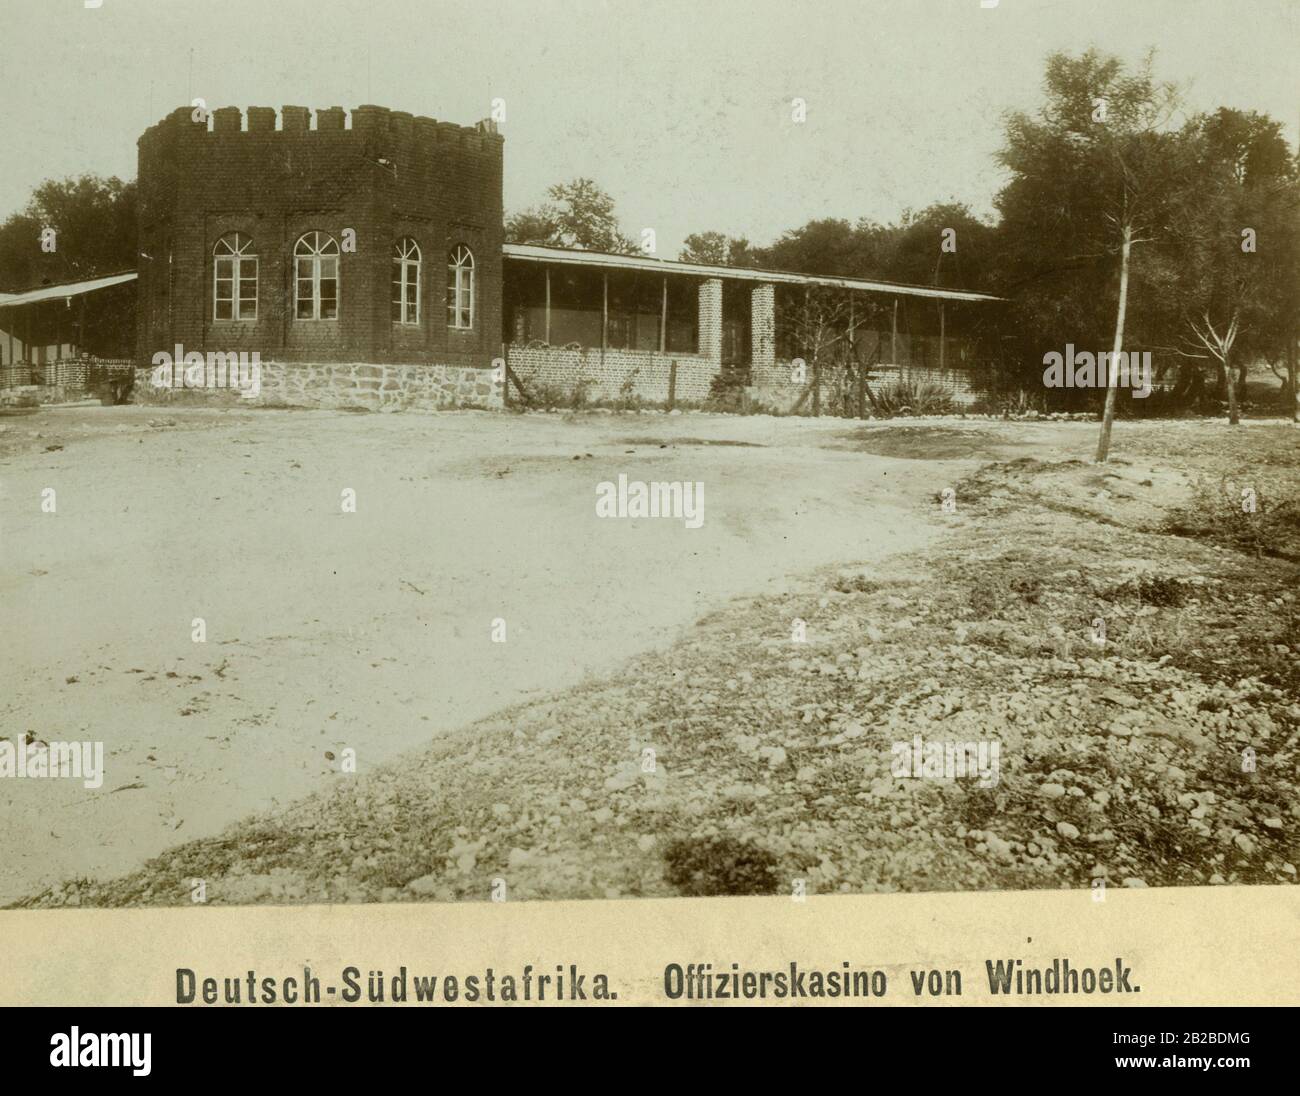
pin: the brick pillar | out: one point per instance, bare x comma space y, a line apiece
762, 326
711, 320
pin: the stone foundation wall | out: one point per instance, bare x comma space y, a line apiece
389, 387
614, 375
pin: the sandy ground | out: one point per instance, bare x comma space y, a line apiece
1165, 755
371, 630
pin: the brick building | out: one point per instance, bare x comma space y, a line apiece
327, 249
363, 259
630, 328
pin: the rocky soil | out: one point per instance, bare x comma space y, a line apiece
1129, 636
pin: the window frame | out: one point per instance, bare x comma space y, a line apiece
461, 290
404, 262
322, 247
238, 255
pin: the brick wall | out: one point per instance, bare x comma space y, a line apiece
438, 183
65, 378
772, 387
762, 326
956, 382
711, 320
614, 375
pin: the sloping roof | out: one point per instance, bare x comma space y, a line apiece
68, 289
563, 255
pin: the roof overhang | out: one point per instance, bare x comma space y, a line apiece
68, 289
562, 256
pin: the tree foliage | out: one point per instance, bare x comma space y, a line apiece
577, 214
94, 232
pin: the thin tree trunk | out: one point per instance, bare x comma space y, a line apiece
1234, 414
1292, 369
1108, 416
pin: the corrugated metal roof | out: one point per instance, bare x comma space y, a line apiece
573, 257
69, 289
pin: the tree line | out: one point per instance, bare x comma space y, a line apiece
1125, 225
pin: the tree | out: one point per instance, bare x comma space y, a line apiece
1093, 177
578, 214
1235, 245
944, 244
913, 250
93, 223
717, 249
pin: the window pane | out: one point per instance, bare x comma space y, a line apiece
329, 268
224, 310
329, 290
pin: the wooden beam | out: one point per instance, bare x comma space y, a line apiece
548, 306
663, 321
512, 376
604, 312
893, 336
941, 330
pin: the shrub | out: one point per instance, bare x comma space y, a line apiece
539, 395
727, 392
906, 396
1217, 514
1160, 590
720, 865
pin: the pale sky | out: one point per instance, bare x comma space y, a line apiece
681, 109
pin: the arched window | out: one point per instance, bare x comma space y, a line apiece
460, 287
406, 281
316, 276
234, 278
